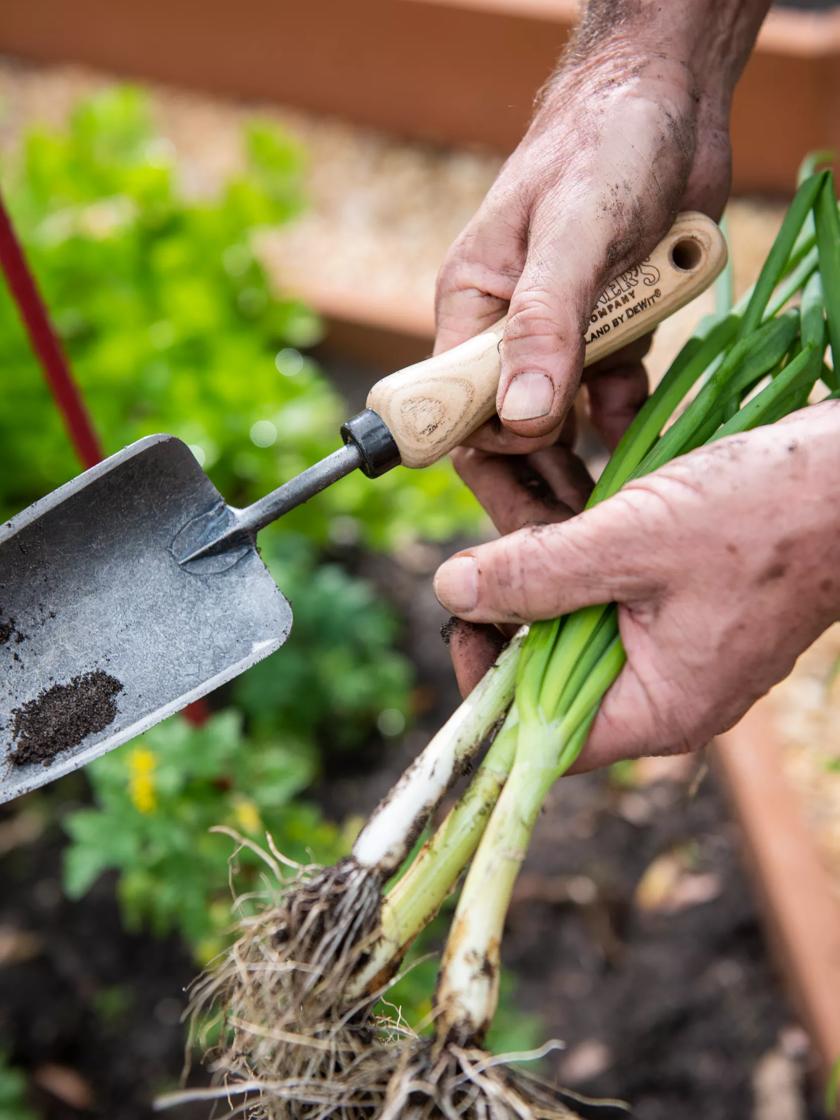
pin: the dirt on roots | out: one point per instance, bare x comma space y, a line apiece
289, 1036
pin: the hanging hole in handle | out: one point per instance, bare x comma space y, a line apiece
686, 254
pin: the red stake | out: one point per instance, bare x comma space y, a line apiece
56, 368
44, 342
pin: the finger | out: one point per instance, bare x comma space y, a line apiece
615, 396
473, 650
510, 490
480, 273
493, 436
617, 387
548, 486
544, 571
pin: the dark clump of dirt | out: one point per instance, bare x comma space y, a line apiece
448, 628
9, 630
63, 715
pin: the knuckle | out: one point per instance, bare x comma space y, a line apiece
466, 461
525, 564
465, 285
660, 498
486, 258
460, 457
532, 314
544, 555
451, 273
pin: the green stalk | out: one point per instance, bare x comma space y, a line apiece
559, 695
793, 284
418, 895
779, 255
693, 360
468, 987
724, 288
750, 359
799, 374
812, 315
387, 837
828, 244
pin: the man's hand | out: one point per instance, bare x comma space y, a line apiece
725, 565
633, 128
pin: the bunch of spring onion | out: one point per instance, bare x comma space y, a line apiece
294, 998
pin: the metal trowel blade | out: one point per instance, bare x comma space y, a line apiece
102, 632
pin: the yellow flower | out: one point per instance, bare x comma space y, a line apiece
141, 785
247, 815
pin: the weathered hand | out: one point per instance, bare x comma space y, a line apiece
724, 565
625, 136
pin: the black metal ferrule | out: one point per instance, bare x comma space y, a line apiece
370, 434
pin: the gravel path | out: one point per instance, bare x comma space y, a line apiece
382, 211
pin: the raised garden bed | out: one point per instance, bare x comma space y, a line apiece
778, 764
450, 71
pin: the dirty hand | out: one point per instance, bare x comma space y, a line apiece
632, 129
724, 565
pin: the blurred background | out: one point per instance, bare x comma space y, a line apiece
235, 213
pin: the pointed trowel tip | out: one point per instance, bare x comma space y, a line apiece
212, 542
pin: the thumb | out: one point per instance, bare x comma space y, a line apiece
543, 571
543, 345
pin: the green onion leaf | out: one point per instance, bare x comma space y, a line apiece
773, 269
828, 244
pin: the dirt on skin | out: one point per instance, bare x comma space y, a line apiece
62, 716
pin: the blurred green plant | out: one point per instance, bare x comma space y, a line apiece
156, 801
171, 324
338, 676
832, 1089
13, 1104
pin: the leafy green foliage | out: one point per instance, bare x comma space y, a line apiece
157, 800
171, 324
338, 672
13, 1104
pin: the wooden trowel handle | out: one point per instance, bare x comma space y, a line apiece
435, 405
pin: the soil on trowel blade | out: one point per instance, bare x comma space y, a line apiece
62, 716
9, 630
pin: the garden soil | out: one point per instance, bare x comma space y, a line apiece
61, 716
633, 933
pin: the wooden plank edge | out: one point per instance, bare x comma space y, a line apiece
801, 909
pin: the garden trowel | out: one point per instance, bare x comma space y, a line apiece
135, 589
